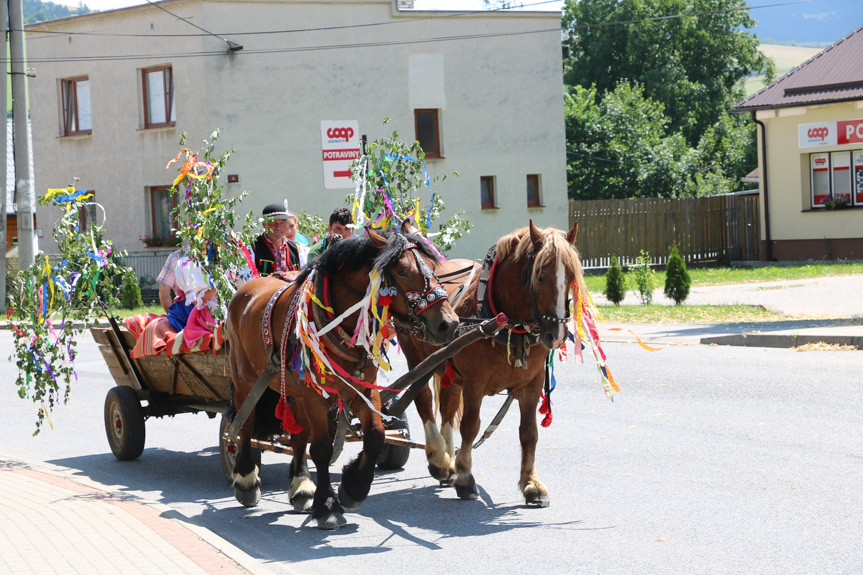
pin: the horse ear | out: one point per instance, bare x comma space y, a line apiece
536, 236
570, 235
378, 240
406, 226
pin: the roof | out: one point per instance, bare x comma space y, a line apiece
832, 75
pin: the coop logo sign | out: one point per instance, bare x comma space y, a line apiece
340, 134
340, 145
831, 133
816, 135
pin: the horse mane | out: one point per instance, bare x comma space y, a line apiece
358, 252
555, 248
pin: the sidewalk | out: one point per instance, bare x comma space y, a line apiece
53, 522
830, 308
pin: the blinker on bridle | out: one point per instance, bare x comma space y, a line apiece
417, 301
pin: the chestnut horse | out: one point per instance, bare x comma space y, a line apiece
337, 281
527, 275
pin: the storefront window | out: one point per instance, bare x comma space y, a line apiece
836, 177
820, 169
858, 177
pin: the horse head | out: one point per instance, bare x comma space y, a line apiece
407, 260
551, 268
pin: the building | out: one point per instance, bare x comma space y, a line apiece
481, 91
810, 139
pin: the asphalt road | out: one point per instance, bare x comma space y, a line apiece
710, 460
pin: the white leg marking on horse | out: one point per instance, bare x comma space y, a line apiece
447, 436
436, 449
299, 484
248, 481
561, 302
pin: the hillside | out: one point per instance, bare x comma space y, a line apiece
786, 59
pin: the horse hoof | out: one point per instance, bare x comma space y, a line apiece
466, 492
248, 497
445, 475
302, 503
331, 521
347, 501
537, 500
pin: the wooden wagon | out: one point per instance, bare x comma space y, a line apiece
200, 383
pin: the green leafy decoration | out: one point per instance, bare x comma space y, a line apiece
56, 302
206, 219
394, 184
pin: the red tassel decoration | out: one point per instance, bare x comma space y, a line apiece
284, 413
545, 409
448, 376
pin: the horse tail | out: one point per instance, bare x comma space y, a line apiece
437, 391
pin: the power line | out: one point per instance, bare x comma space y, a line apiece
50, 33
368, 44
232, 46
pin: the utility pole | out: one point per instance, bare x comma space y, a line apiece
24, 195
4, 18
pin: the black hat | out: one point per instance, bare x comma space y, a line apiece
276, 212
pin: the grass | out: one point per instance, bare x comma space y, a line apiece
716, 314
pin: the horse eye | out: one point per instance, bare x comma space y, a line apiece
541, 279
402, 273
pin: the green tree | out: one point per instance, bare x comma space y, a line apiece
677, 280
692, 64
130, 296
615, 283
618, 147
644, 278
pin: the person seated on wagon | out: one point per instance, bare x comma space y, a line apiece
273, 252
341, 225
185, 279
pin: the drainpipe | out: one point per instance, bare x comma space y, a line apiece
768, 248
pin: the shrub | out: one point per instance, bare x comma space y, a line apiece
677, 280
615, 283
130, 297
644, 278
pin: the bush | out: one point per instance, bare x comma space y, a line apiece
130, 297
644, 278
615, 283
677, 280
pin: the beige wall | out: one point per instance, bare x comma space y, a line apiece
500, 99
791, 217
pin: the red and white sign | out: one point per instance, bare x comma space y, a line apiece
849, 132
340, 145
831, 133
815, 135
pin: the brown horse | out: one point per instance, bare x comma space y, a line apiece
337, 281
527, 275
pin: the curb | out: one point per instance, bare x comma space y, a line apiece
782, 340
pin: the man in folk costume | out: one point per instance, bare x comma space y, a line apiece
274, 253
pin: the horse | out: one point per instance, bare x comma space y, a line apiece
266, 311
527, 275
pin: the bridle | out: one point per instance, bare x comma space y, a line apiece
526, 279
420, 301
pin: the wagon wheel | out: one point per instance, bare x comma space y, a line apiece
228, 451
124, 423
395, 456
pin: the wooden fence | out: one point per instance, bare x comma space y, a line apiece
708, 229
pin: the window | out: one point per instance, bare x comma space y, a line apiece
534, 198
77, 119
162, 202
428, 132
486, 192
159, 109
834, 175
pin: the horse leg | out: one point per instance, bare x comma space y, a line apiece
326, 509
247, 480
450, 399
465, 485
357, 476
535, 493
302, 490
440, 464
